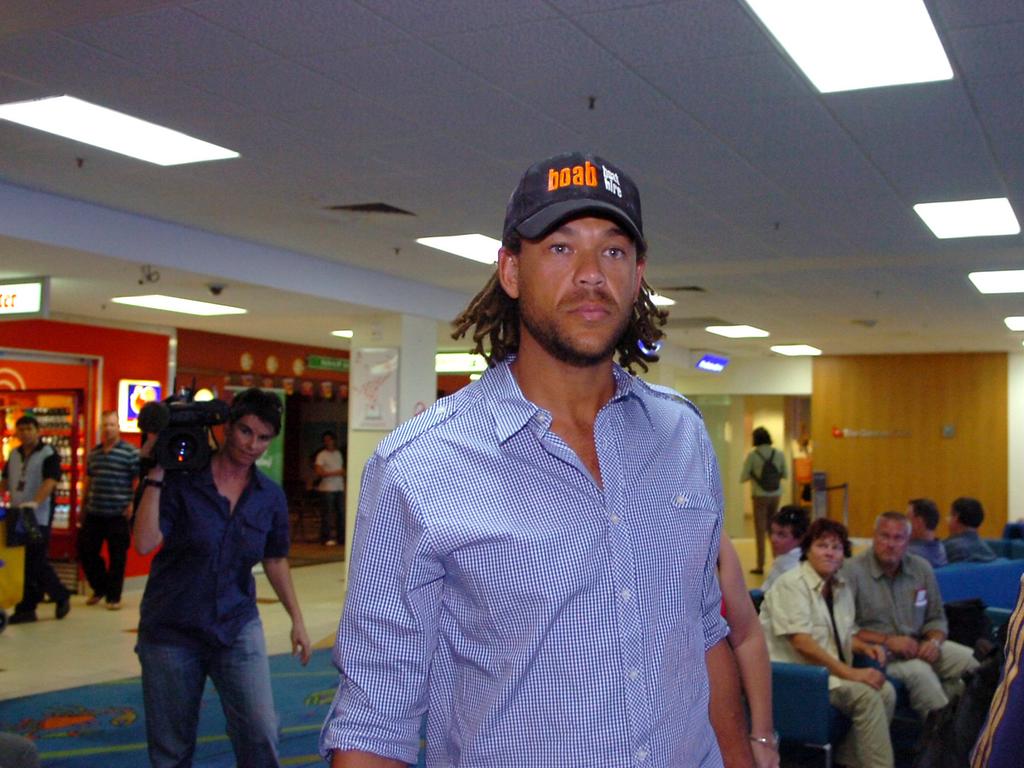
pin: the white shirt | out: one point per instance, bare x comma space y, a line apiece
330, 461
780, 565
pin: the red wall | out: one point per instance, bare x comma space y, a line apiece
125, 354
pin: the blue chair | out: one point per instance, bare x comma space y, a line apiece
1000, 546
1013, 530
996, 583
801, 708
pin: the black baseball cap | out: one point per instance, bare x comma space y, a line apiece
568, 186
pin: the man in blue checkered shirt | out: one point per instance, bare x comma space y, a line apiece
534, 557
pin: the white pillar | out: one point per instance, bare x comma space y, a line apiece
415, 338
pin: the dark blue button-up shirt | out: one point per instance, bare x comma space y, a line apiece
201, 590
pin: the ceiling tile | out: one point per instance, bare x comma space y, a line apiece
170, 40
300, 27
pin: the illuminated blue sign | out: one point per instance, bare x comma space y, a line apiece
712, 363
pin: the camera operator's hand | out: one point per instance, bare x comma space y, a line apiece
146, 530
148, 445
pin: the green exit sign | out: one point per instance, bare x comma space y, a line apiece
321, 363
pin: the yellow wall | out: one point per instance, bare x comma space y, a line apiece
914, 396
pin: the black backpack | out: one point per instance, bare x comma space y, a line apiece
771, 477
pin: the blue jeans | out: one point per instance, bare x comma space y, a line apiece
173, 678
333, 511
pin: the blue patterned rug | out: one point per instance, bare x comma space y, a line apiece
104, 725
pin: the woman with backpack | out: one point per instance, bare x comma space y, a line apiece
765, 467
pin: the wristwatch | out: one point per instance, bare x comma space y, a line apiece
147, 481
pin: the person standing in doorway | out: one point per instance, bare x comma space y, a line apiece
765, 468
112, 470
329, 466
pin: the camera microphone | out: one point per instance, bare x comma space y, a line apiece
154, 417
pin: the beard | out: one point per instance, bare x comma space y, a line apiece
559, 345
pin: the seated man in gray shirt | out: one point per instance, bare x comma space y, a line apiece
964, 544
924, 519
898, 606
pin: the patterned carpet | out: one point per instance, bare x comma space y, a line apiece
103, 725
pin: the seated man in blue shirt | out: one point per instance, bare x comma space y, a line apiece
964, 544
534, 558
924, 519
198, 616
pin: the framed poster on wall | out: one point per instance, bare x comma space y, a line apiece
373, 389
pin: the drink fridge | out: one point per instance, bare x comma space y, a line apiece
62, 425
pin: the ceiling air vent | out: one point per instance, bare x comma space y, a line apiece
684, 289
681, 323
370, 208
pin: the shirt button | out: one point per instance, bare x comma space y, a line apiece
634, 674
615, 519
680, 500
641, 754
625, 594
441, 409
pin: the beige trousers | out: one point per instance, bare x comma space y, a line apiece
932, 685
868, 744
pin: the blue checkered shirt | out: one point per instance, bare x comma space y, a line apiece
539, 619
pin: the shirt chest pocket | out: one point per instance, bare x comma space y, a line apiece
254, 538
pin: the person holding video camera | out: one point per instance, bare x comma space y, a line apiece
198, 616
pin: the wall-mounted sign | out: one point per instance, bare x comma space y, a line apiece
321, 363
712, 363
841, 432
374, 392
132, 395
25, 298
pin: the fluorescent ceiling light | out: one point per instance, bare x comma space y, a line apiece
174, 304
475, 247
969, 218
845, 45
1014, 323
999, 281
346, 334
796, 350
459, 362
91, 124
737, 331
661, 301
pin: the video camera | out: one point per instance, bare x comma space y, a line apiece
182, 426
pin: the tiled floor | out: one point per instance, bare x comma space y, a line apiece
93, 645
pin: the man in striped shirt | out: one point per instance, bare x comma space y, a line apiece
111, 473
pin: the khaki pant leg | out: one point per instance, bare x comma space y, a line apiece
954, 661
926, 691
868, 745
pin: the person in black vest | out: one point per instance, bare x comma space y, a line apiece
30, 476
765, 493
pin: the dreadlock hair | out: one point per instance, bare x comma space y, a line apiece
494, 316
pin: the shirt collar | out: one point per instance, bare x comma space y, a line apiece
876, 569
256, 478
512, 411
814, 581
